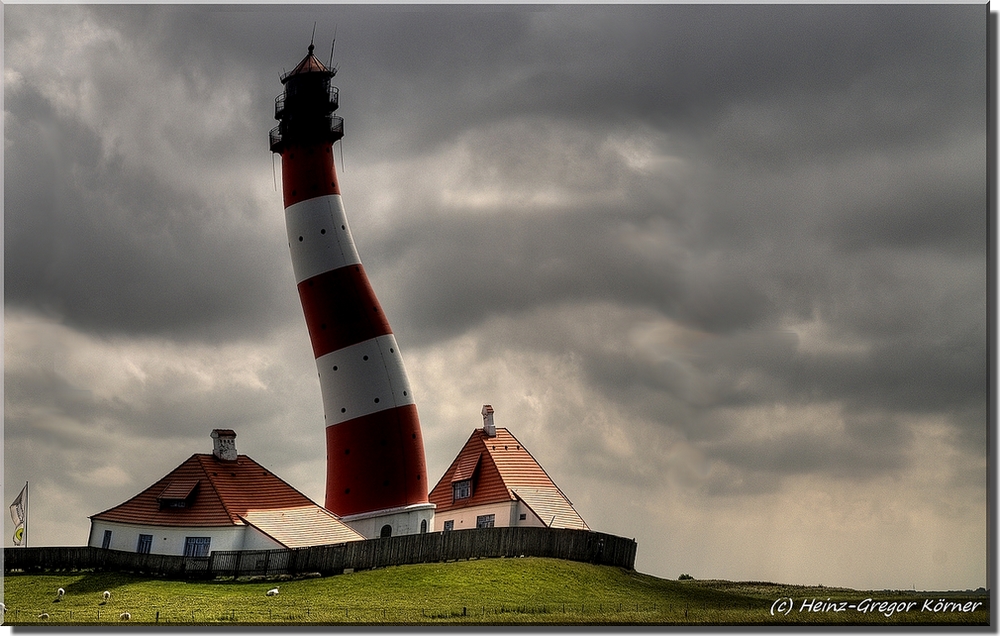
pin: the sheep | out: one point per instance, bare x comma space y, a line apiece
107, 596
43, 616
59, 595
124, 616
272, 592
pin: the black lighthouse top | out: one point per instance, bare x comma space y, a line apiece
305, 110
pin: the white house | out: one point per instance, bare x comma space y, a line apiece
494, 481
218, 501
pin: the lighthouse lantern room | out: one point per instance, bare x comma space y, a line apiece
376, 477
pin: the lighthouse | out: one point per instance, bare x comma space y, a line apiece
376, 475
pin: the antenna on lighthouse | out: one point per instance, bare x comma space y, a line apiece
312, 38
333, 45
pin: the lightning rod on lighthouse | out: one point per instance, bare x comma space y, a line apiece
376, 478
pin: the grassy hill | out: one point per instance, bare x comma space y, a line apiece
488, 591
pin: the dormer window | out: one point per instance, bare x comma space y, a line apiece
461, 480
462, 489
178, 494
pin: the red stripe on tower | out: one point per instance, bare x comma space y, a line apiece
375, 452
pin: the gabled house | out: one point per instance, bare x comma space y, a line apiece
495, 481
217, 501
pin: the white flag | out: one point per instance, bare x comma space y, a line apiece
19, 514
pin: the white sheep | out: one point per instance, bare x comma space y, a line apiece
59, 595
107, 596
272, 592
124, 616
43, 616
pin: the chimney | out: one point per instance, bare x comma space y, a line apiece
224, 447
488, 426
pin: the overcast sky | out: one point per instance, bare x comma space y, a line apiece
721, 269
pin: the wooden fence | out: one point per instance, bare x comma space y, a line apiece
69, 559
572, 545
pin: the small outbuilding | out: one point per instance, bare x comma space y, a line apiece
217, 501
495, 481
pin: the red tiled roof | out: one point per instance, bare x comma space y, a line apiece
228, 493
309, 64
505, 465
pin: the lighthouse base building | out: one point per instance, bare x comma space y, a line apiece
412, 519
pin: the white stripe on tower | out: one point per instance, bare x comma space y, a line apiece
364, 377
319, 236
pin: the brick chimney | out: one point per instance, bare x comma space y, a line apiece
488, 427
224, 446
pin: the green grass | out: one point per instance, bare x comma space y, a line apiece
487, 591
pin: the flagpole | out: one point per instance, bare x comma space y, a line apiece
26, 513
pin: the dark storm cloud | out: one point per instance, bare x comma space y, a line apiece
830, 78
525, 263
141, 262
108, 244
768, 85
875, 448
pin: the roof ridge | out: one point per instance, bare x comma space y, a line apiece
537, 463
273, 474
503, 477
454, 462
208, 476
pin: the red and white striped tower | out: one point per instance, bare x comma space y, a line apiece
376, 476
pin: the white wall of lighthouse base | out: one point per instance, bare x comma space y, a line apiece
412, 519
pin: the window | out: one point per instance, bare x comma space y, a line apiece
386, 531
423, 526
107, 540
145, 543
449, 525
462, 489
485, 521
196, 546
522, 517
